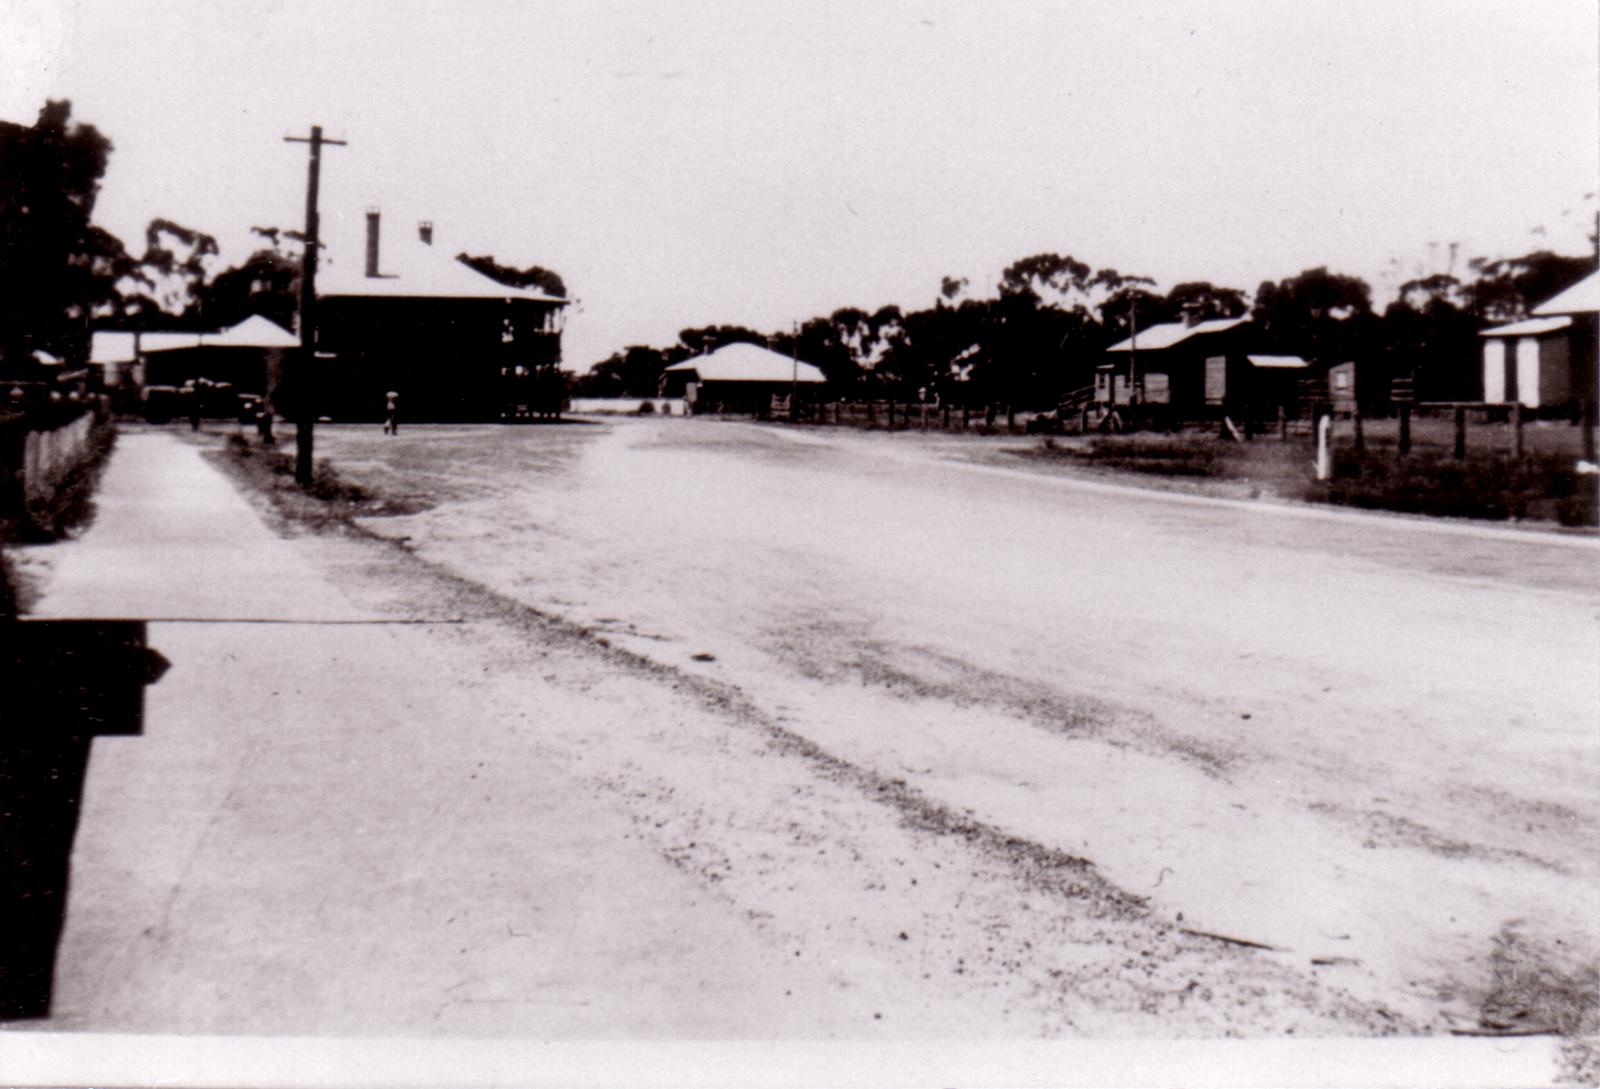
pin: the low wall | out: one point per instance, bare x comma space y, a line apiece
49, 457
40, 453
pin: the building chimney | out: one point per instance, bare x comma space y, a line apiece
425, 231
372, 243
1191, 313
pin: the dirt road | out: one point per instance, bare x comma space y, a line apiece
994, 748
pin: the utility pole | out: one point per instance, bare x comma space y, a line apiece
1133, 349
305, 408
794, 370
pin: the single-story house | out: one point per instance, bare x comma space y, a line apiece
1197, 368
741, 378
1529, 362
451, 342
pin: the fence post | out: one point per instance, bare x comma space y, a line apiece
1361, 438
1461, 434
966, 416
1011, 419
1283, 425
1516, 429
1324, 447
1405, 430
947, 415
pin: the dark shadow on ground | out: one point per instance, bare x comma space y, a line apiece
65, 682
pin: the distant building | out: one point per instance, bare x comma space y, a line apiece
245, 357
741, 378
1198, 369
453, 343
1529, 362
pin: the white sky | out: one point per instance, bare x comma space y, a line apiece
759, 163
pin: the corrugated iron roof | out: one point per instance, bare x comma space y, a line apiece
1530, 327
1287, 361
1157, 337
749, 363
252, 332
167, 342
411, 268
1582, 297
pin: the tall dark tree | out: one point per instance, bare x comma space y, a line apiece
708, 338
1326, 316
1508, 288
1430, 333
266, 283
633, 372
172, 275
53, 262
1131, 302
1206, 301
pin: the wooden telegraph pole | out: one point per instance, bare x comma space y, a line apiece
305, 406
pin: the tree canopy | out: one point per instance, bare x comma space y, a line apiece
55, 266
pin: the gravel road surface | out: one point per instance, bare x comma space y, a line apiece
1002, 748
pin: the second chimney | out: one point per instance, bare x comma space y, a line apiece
372, 243
425, 231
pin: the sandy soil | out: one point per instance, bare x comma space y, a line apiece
987, 752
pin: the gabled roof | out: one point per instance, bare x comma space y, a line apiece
110, 346
1157, 337
1582, 297
410, 268
1531, 327
252, 332
749, 363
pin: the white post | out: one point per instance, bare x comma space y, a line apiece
1324, 447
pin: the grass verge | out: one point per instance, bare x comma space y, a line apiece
328, 502
1490, 485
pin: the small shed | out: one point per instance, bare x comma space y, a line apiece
741, 378
1529, 362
